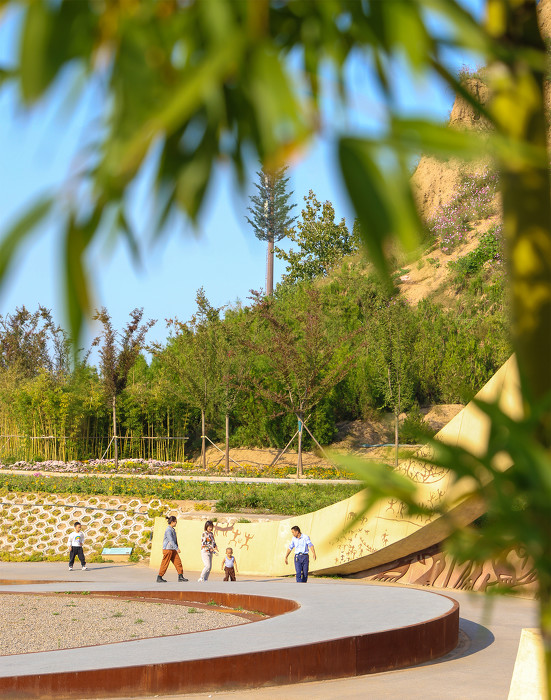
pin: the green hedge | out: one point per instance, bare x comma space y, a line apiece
285, 499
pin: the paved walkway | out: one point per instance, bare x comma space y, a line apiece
479, 669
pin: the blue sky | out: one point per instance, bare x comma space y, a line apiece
38, 150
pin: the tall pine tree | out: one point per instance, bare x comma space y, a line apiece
270, 217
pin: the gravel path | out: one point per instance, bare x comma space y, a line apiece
62, 621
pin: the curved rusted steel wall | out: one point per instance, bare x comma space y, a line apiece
328, 658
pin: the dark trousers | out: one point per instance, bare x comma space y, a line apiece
77, 552
229, 573
301, 567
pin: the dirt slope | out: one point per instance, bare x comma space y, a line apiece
353, 436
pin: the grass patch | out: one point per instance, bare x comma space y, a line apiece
284, 499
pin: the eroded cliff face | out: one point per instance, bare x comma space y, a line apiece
544, 18
435, 182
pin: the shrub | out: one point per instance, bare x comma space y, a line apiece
414, 429
489, 250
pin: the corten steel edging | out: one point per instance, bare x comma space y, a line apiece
25, 581
334, 658
263, 604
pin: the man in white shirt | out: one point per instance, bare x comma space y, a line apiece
302, 545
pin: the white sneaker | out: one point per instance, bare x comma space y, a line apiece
70, 568
84, 568
200, 579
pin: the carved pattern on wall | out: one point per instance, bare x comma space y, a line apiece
236, 538
353, 543
422, 472
433, 567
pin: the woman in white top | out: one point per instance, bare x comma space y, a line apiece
208, 548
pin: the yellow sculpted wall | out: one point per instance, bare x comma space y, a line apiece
383, 534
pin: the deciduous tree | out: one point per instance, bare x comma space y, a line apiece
391, 333
299, 360
322, 242
191, 357
31, 341
118, 353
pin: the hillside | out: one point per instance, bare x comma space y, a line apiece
436, 184
452, 195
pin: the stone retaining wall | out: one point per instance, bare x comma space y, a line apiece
37, 526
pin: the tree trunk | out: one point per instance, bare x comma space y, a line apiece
270, 268
396, 443
227, 458
115, 432
203, 445
299, 457
525, 193
527, 216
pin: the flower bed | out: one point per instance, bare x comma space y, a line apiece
156, 467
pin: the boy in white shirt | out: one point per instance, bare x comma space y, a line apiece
76, 542
229, 565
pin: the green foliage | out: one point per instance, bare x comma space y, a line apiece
298, 360
212, 80
488, 251
513, 477
466, 73
391, 336
19, 233
414, 429
286, 498
30, 342
322, 242
270, 210
118, 355
474, 200
190, 357
453, 354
